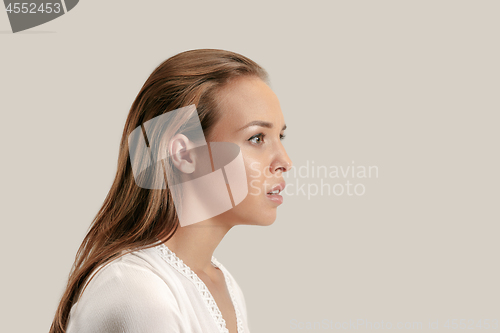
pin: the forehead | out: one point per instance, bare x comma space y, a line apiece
248, 99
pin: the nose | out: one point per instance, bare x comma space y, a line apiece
281, 162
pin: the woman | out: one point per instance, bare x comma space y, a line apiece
139, 269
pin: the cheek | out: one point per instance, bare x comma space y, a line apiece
259, 176
254, 209
255, 176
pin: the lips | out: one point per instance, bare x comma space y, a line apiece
276, 189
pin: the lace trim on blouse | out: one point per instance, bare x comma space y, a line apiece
185, 270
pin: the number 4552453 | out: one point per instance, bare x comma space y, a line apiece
31, 8
471, 324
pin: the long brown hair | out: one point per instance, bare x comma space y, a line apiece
132, 217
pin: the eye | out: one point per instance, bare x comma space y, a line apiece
260, 138
282, 136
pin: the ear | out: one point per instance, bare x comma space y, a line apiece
182, 156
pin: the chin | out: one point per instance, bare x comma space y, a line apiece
252, 211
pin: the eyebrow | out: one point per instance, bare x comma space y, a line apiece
260, 123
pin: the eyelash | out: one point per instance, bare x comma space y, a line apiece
262, 135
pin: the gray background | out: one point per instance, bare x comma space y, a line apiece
411, 87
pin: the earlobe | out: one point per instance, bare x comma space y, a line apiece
181, 154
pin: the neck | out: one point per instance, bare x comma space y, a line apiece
195, 244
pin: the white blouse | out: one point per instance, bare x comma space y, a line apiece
153, 291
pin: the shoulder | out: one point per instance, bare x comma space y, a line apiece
125, 295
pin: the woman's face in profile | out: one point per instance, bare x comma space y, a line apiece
251, 117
